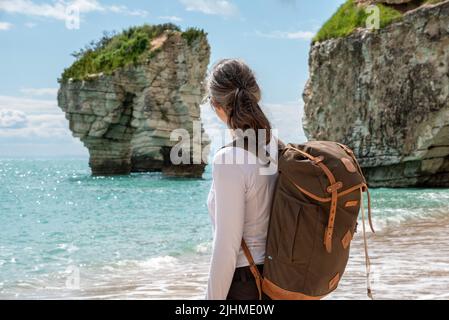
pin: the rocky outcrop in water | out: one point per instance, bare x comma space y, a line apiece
125, 118
385, 93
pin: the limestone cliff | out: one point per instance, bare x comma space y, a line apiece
385, 93
125, 115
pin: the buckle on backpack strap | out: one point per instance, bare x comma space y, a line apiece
334, 187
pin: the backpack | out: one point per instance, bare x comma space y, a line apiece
316, 203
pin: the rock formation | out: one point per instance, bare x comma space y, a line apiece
125, 117
385, 93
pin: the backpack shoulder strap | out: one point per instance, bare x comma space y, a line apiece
253, 268
236, 144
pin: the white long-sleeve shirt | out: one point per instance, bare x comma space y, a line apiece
239, 204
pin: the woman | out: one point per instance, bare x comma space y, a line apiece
240, 197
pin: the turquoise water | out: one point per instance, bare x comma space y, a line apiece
54, 214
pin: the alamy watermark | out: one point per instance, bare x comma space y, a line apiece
72, 17
373, 19
73, 278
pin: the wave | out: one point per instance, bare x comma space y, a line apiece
204, 248
155, 263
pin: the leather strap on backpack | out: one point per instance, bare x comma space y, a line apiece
253, 268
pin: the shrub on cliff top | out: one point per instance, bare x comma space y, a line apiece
191, 34
114, 50
349, 17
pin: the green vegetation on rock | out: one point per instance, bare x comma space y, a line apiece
351, 16
192, 34
114, 50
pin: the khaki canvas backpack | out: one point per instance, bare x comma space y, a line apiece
316, 203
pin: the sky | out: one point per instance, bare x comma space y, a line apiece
37, 38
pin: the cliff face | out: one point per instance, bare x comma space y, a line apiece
385, 94
125, 118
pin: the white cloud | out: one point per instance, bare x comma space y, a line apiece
35, 127
212, 7
125, 10
29, 106
26, 119
43, 128
12, 119
171, 18
295, 35
5, 26
48, 120
58, 9
39, 91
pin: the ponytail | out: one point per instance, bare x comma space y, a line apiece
233, 85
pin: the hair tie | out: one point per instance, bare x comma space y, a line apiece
237, 91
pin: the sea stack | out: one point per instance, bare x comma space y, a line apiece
125, 94
385, 92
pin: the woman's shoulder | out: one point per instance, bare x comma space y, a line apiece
227, 169
230, 155
236, 155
